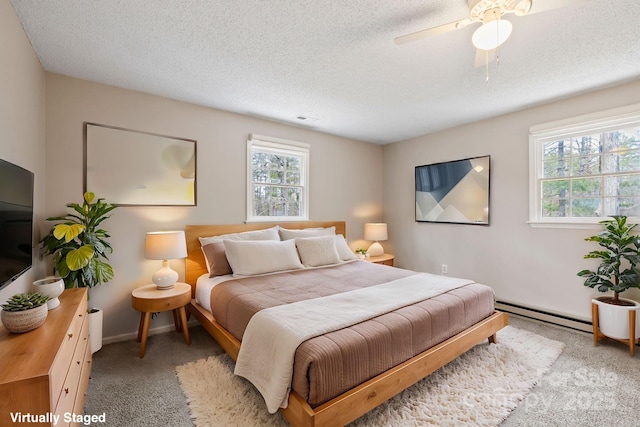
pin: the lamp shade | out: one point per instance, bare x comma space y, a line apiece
492, 34
375, 231
165, 245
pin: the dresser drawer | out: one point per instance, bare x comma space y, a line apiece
60, 368
67, 393
78, 407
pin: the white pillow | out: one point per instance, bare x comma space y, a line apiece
266, 234
251, 257
317, 251
345, 253
286, 234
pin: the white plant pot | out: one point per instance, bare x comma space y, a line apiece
52, 287
613, 320
95, 329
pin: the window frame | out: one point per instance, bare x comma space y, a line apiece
608, 120
285, 147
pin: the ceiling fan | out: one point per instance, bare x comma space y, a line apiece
494, 30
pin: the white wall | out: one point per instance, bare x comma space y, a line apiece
22, 121
341, 185
532, 267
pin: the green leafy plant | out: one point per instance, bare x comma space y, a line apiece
361, 251
22, 302
618, 257
79, 247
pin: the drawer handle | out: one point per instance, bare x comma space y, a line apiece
66, 390
70, 336
78, 362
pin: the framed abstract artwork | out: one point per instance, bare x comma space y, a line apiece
453, 192
128, 167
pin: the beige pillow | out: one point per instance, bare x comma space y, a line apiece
266, 234
248, 258
317, 251
216, 258
287, 234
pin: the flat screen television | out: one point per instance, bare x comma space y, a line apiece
16, 221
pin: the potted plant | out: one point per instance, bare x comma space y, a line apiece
361, 253
79, 248
24, 312
617, 272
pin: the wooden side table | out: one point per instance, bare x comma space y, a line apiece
385, 259
149, 299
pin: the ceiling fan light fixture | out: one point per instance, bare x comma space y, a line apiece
492, 34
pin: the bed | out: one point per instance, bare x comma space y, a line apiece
310, 403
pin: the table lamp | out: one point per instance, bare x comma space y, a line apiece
375, 231
165, 245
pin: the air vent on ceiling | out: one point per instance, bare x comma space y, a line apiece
306, 118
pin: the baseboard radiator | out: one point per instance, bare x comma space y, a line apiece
536, 314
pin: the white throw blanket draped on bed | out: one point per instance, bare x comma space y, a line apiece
273, 334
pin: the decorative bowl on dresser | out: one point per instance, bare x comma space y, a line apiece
52, 287
19, 322
46, 371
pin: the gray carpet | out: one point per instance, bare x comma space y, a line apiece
587, 386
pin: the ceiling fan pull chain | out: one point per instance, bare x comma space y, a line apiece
486, 65
497, 44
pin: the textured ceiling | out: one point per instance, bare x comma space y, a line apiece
334, 61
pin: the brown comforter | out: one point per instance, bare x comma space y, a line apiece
331, 364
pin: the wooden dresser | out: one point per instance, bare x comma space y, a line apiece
47, 370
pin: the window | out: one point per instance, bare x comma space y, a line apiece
278, 179
586, 168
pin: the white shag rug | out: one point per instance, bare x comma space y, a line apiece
480, 388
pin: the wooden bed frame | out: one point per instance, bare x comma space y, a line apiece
363, 398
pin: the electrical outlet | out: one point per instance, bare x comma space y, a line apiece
444, 269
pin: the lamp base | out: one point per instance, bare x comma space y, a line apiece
165, 278
375, 249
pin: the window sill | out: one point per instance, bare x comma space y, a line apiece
581, 225
277, 219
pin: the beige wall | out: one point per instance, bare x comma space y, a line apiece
22, 120
341, 183
533, 267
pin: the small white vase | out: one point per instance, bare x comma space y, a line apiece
613, 320
95, 329
52, 287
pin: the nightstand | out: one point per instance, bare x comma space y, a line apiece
385, 259
149, 299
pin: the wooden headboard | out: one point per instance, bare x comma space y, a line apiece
195, 264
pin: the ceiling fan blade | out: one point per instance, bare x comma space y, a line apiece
484, 57
538, 6
434, 31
